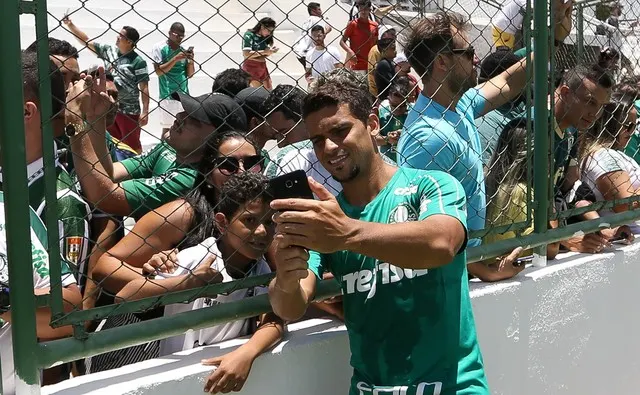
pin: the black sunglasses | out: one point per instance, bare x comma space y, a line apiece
469, 52
229, 165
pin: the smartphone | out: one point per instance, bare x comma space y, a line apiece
292, 185
523, 260
621, 239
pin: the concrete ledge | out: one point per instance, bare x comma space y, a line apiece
568, 328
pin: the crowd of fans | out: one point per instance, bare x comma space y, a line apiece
447, 155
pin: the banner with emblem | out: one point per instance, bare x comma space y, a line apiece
73, 249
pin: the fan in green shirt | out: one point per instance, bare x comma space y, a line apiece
393, 113
138, 185
405, 287
173, 64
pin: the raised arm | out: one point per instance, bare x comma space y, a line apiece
88, 99
79, 34
509, 84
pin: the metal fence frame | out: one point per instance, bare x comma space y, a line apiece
30, 356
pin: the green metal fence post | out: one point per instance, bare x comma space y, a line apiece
580, 32
16, 206
541, 120
48, 153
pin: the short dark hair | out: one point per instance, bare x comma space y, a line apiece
317, 28
401, 86
339, 74
57, 48
496, 63
204, 196
177, 27
386, 43
131, 34
287, 99
31, 82
337, 92
312, 6
230, 82
240, 189
428, 37
573, 77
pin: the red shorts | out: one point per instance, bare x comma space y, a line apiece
257, 70
126, 129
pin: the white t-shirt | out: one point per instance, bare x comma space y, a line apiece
41, 280
188, 260
304, 43
607, 160
510, 17
322, 60
301, 156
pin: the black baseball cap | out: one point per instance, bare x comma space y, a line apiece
214, 109
251, 100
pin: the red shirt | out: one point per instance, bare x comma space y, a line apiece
362, 37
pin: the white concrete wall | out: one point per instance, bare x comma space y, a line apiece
569, 328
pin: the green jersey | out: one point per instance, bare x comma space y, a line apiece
410, 331
128, 71
254, 42
156, 179
73, 215
390, 123
174, 80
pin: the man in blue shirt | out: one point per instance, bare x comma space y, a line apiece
440, 131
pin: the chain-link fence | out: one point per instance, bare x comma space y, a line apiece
175, 124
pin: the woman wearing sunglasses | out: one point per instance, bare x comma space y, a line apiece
151, 245
605, 169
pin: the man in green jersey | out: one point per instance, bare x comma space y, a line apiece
174, 66
131, 78
73, 212
405, 287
